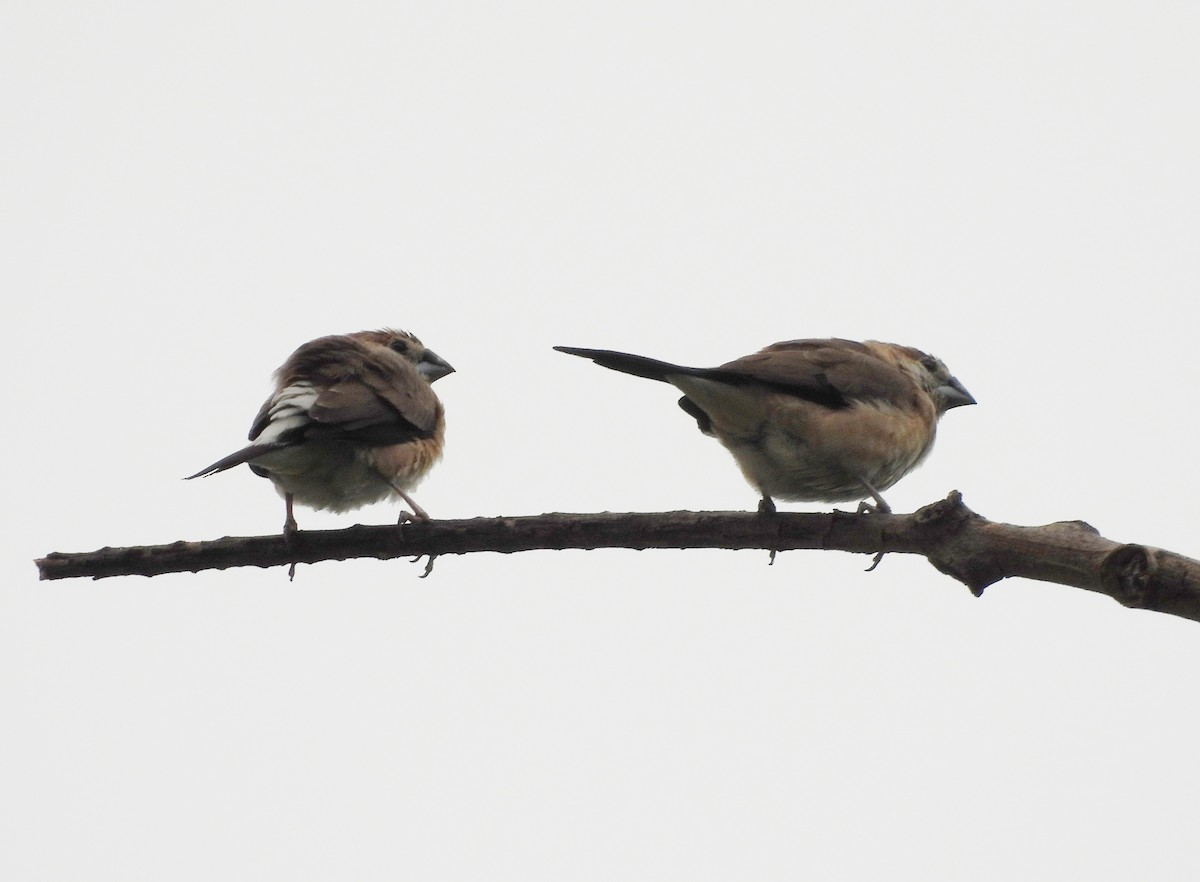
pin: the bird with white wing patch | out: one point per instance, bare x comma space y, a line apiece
353, 419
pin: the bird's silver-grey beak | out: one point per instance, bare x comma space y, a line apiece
433, 367
954, 394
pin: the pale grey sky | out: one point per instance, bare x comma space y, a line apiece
190, 190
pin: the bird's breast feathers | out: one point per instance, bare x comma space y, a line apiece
810, 453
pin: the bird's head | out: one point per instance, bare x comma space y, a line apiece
933, 376
407, 346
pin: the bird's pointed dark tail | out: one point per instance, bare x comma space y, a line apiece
246, 454
626, 363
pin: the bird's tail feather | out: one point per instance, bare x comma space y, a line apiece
253, 451
638, 365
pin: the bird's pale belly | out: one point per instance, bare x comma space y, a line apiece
333, 477
785, 467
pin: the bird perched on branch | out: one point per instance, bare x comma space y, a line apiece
813, 420
352, 420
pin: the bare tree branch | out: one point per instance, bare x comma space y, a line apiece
956, 540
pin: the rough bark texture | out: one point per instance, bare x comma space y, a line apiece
960, 543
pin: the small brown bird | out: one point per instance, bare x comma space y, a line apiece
353, 419
813, 420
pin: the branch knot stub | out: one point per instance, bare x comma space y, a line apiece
946, 514
943, 527
1130, 570
1076, 527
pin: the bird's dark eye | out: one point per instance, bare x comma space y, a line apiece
930, 364
400, 346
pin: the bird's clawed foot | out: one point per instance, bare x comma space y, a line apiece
880, 506
417, 513
766, 507
417, 516
865, 507
428, 563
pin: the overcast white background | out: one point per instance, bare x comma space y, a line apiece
191, 190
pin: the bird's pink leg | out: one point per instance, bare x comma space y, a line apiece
289, 525
880, 505
418, 513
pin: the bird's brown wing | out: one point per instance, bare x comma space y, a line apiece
407, 393
829, 372
376, 409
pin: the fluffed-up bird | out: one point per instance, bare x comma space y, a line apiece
353, 419
813, 420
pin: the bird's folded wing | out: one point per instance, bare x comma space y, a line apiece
371, 411
410, 397
834, 373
